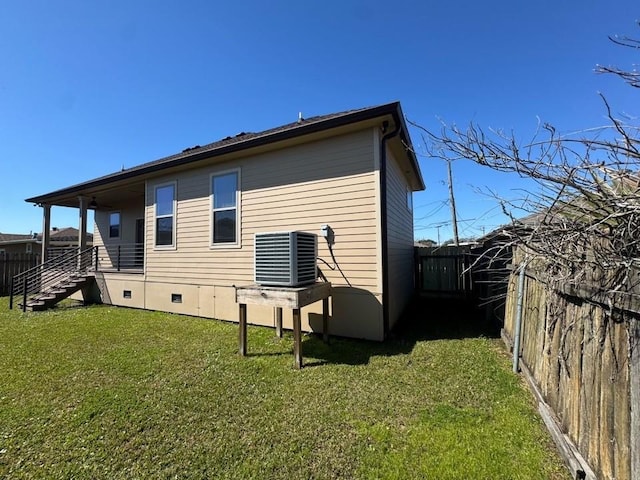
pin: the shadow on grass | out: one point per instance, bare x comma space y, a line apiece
425, 319
267, 354
445, 318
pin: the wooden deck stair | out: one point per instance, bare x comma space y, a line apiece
50, 296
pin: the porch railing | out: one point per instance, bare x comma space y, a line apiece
55, 252
44, 277
121, 257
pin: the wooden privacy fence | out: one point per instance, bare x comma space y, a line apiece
583, 357
443, 271
466, 272
12, 264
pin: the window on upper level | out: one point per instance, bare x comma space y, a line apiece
165, 215
225, 206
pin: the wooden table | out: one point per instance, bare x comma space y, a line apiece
279, 298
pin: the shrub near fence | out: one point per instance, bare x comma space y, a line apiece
12, 264
583, 357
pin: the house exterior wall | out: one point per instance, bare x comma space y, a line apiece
129, 213
331, 181
108, 255
400, 261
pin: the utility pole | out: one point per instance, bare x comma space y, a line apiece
452, 202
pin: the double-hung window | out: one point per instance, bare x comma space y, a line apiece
225, 216
165, 201
114, 225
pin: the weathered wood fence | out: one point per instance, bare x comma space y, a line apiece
12, 264
443, 271
583, 357
466, 272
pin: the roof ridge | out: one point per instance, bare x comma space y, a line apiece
244, 136
244, 141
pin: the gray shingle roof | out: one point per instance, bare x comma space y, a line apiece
245, 137
245, 141
67, 234
12, 237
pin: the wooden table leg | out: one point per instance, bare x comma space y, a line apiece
278, 314
242, 337
325, 320
297, 339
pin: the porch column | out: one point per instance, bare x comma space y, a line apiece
46, 229
82, 226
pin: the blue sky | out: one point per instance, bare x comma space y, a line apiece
89, 87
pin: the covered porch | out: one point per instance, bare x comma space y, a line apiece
118, 227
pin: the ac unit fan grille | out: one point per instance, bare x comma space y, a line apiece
285, 258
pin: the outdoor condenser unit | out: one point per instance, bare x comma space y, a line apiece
285, 258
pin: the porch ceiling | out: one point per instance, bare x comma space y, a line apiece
105, 196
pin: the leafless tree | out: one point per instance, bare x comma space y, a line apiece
583, 222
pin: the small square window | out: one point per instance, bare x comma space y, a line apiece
176, 298
126, 293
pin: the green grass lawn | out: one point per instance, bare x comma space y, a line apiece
105, 392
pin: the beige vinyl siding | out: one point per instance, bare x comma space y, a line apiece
299, 188
400, 261
302, 187
98, 224
129, 213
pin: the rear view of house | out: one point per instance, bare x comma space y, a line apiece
177, 234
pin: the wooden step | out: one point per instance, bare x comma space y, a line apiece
52, 295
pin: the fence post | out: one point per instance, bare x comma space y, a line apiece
24, 294
516, 335
11, 294
634, 387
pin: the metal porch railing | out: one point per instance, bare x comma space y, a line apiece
46, 276
121, 257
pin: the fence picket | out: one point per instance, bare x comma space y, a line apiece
584, 357
12, 264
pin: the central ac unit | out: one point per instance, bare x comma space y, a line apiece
285, 258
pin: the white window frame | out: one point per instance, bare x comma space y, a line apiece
174, 184
238, 209
119, 224
29, 248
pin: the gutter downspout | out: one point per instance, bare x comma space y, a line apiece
517, 334
383, 224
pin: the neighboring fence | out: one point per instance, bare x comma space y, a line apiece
12, 264
444, 271
584, 358
473, 273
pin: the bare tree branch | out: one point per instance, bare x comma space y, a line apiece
583, 222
